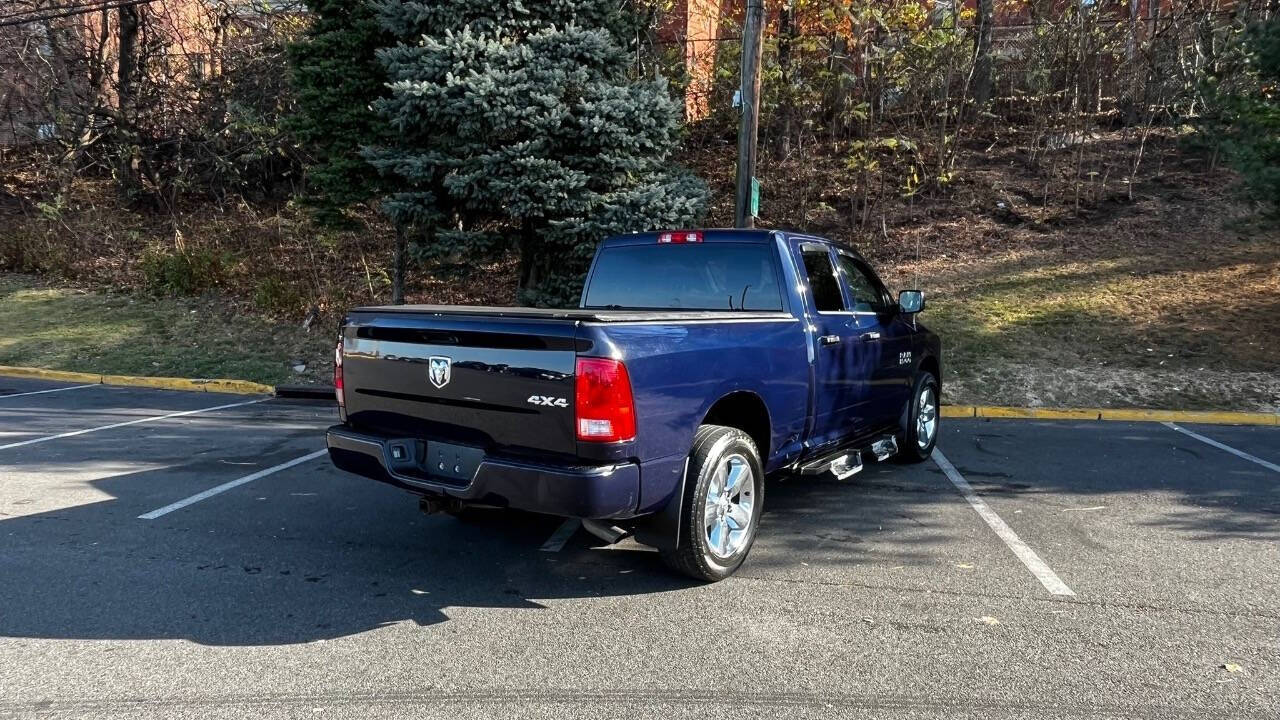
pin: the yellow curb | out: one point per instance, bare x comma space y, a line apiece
49, 374
1206, 417
238, 387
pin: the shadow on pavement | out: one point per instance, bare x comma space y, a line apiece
239, 578
359, 556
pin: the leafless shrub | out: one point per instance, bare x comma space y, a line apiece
168, 98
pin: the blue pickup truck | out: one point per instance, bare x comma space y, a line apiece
699, 364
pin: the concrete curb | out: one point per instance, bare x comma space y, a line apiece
238, 387
244, 387
1206, 417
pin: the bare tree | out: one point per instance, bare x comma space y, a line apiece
982, 53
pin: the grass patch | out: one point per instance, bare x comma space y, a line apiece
126, 334
1164, 328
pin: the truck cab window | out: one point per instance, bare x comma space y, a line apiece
866, 293
822, 280
696, 276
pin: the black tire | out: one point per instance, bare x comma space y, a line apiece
909, 448
714, 446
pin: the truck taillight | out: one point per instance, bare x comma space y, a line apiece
337, 375
603, 407
683, 236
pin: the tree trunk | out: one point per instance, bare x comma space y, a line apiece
1131, 66
397, 265
785, 30
837, 63
529, 277
128, 176
982, 53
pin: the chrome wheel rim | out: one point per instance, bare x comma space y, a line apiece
926, 417
729, 508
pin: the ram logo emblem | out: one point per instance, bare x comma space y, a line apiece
439, 370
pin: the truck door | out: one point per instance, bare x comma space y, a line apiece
843, 363
884, 335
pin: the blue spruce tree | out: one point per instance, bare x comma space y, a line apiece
516, 125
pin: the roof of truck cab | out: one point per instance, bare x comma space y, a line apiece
708, 235
740, 235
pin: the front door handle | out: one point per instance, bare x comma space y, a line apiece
869, 336
829, 340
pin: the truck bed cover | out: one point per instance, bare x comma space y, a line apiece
577, 314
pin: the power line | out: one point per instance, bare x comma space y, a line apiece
68, 11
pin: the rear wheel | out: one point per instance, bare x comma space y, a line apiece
921, 434
720, 510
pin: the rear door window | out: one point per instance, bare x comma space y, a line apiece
822, 280
690, 276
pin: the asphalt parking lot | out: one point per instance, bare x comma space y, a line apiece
160, 557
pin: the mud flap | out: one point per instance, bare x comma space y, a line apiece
905, 417
662, 529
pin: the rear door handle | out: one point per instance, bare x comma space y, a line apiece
829, 340
869, 336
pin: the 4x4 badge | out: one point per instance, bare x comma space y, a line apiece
439, 370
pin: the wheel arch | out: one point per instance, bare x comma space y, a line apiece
930, 364
739, 408
746, 411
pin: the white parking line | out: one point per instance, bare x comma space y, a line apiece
153, 418
1238, 453
228, 485
556, 542
41, 392
1047, 577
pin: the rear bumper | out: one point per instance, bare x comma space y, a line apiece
594, 492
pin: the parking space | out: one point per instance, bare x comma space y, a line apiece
33, 412
1133, 512
274, 585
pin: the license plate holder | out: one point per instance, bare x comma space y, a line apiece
455, 463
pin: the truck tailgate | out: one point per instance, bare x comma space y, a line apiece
502, 384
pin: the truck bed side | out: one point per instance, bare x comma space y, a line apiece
680, 370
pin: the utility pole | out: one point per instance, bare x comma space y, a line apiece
748, 132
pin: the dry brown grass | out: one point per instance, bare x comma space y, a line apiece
276, 261
1048, 296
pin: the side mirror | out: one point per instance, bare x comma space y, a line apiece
911, 301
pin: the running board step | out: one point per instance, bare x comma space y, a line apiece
842, 466
885, 448
847, 462
846, 466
